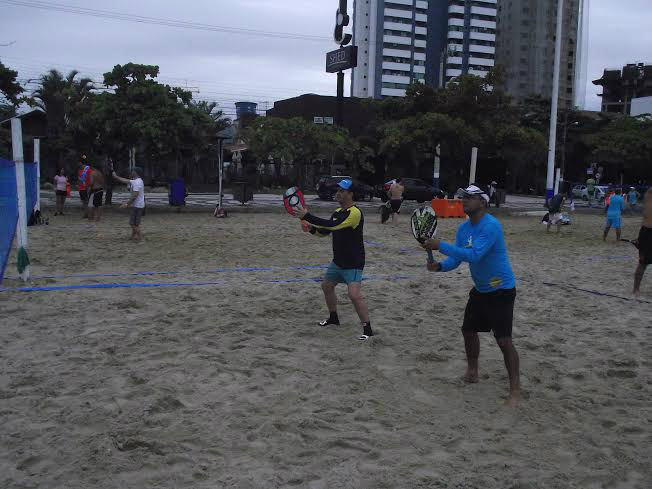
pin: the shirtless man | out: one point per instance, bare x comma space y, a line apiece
95, 194
395, 194
644, 241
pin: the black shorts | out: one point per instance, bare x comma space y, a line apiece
97, 198
645, 245
136, 216
62, 192
83, 195
493, 311
395, 205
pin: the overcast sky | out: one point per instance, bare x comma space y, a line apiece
237, 67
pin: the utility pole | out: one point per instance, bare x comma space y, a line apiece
342, 59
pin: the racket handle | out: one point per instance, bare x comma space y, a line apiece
431, 259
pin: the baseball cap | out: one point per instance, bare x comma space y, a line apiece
345, 184
474, 190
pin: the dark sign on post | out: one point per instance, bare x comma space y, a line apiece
342, 59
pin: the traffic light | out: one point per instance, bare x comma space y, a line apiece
341, 21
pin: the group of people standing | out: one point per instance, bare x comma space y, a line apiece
91, 187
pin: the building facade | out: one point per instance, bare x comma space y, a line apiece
625, 90
525, 49
420, 41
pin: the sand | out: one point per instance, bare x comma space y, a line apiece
230, 384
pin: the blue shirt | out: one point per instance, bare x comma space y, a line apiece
633, 197
616, 206
481, 245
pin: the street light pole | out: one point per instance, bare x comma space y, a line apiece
554, 103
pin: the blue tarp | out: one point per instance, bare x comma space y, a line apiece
8, 211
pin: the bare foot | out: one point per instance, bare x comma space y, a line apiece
513, 400
470, 377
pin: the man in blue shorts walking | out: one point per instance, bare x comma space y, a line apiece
346, 225
614, 214
480, 243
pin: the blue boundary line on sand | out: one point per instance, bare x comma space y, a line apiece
145, 274
56, 288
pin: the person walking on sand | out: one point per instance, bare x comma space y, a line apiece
95, 195
395, 194
136, 201
61, 191
644, 242
480, 243
615, 209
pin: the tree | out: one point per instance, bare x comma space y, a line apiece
298, 142
9, 87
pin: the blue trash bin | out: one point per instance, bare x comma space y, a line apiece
177, 194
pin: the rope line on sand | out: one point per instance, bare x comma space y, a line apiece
595, 292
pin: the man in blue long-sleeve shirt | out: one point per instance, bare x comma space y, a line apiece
480, 243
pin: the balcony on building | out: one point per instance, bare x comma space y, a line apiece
398, 40
388, 65
404, 14
392, 92
481, 61
482, 49
396, 79
397, 53
398, 27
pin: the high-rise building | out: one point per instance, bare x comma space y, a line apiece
420, 41
525, 49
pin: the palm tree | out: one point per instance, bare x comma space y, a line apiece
59, 97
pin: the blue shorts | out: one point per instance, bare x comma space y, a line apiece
337, 275
613, 222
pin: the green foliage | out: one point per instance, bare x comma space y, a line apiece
9, 87
623, 140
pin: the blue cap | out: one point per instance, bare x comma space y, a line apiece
345, 184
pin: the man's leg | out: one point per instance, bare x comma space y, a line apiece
510, 356
329, 296
618, 233
638, 276
355, 294
133, 232
472, 348
606, 232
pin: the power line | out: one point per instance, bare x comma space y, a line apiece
107, 14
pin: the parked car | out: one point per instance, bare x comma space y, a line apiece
415, 189
581, 192
327, 186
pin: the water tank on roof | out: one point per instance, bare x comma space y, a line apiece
245, 108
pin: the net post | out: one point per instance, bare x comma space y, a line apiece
19, 159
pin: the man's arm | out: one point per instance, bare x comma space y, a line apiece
350, 219
120, 179
480, 247
132, 199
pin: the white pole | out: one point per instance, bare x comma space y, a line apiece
555, 100
17, 147
435, 173
220, 164
474, 161
37, 160
557, 180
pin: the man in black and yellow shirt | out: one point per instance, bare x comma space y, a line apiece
346, 225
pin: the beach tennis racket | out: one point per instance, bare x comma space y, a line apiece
424, 226
293, 199
632, 241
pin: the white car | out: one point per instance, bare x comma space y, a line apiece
580, 191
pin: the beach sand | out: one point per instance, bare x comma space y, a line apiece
227, 382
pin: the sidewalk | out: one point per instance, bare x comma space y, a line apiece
515, 204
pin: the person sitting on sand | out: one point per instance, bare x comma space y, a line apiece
480, 242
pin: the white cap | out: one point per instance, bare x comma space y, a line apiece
475, 190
